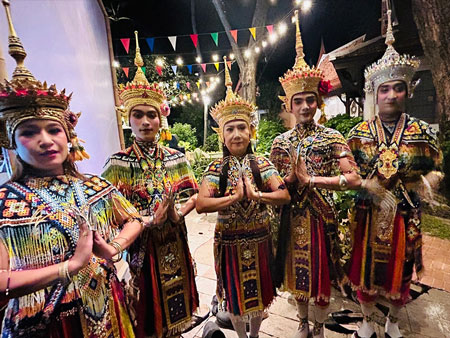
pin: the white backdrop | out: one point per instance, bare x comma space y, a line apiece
67, 45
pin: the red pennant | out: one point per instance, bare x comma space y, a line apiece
194, 38
229, 65
204, 67
188, 85
234, 34
159, 70
269, 28
126, 44
125, 70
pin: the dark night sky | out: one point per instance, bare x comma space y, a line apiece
336, 21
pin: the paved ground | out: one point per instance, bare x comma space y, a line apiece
426, 316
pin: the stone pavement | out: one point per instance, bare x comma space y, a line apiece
426, 316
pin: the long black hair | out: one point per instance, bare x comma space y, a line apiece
224, 173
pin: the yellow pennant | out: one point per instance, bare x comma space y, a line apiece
217, 66
253, 32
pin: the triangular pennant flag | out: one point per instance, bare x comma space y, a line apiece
181, 97
207, 84
194, 38
229, 65
126, 44
159, 70
125, 70
143, 69
215, 37
253, 32
178, 85
189, 67
188, 85
189, 96
173, 41
269, 28
234, 34
198, 84
174, 68
204, 67
217, 65
151, 43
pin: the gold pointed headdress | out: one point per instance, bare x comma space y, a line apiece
25, 98
140, 91
301, 78
233, 107
392, 66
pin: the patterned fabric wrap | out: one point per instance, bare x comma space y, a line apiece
385, 253
242, 242
38, 227
313, 256
162, 294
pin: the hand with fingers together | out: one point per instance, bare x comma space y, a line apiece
301, 172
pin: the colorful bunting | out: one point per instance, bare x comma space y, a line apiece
229, 65
217, 65
151, 43
173, 41
269, 28
253, 32
198, 84
188, 85
125, 70
189, 67
204, 67
126, 44
194, 38
234, 34
174, 68
143, 69
178, 85
159, 70
215, 37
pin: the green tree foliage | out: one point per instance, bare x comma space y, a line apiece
185, 134
343, 123
267, 131
212, 143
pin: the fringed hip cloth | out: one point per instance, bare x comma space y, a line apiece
383, 260
242, 260
166, 283
312, 258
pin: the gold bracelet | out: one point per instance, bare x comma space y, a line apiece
119, 249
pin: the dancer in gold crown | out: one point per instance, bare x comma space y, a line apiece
396, 154
313, 160
56, 274
239, 186
162, 292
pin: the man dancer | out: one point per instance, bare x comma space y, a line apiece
314, 160
396, 154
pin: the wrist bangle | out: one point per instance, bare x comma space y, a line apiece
311, 181
342, 182
259, 196
119, 249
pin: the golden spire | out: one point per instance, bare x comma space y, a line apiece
299, 59
139, 62
389, 35
228, 83
16, 49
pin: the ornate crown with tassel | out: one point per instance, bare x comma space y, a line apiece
302, 78
392, 66
140, 91
233, 107
25, 98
